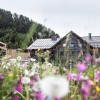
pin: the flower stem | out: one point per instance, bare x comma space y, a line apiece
21, 95
27, 93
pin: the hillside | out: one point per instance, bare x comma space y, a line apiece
18, 31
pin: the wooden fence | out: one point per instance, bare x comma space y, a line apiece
14, 53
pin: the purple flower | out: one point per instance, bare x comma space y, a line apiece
56, 98
57, 71
19, 88
0, 74
36, 77
25, 80
78, 78
15, 97
97, 75
85, 91
88, 58
87, 83
81, 67
96, 60
39, 96
1, 77
69, 76
32, 82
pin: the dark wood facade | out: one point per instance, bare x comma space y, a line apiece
71, 47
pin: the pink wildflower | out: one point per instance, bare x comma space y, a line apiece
39, 96
25, 80
56, 98
19, 88
69, 76
85, 91
81, 67
78, 78
96, 60
15, 97
88, 58
97, 75
32, 82
57, 71
36, 77
1, 77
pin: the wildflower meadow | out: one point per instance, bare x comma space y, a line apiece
36, 80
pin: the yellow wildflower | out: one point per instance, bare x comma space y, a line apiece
38, 49
97, 89
90, 74
10, 75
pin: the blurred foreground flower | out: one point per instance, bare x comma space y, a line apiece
15, 97
97, 89
54, 86
25, 80
96, 60
39, 96
97, 75
1, 77
81, 67
88, 58
85, 91
19, 58
10, 75
69, 76
19, 88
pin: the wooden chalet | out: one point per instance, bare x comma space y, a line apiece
71, 46
93, 41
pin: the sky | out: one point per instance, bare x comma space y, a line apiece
62, 16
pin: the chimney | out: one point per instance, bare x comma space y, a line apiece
53, 37
90, 36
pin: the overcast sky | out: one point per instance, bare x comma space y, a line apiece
62, 16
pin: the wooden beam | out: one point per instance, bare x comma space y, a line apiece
2, 43
3, 48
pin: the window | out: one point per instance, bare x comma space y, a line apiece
72, 44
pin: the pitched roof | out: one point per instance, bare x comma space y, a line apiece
43, 43
94, 41
71, 32
49, 43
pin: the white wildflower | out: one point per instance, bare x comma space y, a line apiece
5, 66
36, 87
8, 64
31, 73
53, 71
24, 65
64, 69
54, 86
26, 72
18, 64
13, 61
19, 58
85, 78
33, 60
49, 64
2, 63
25, 80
